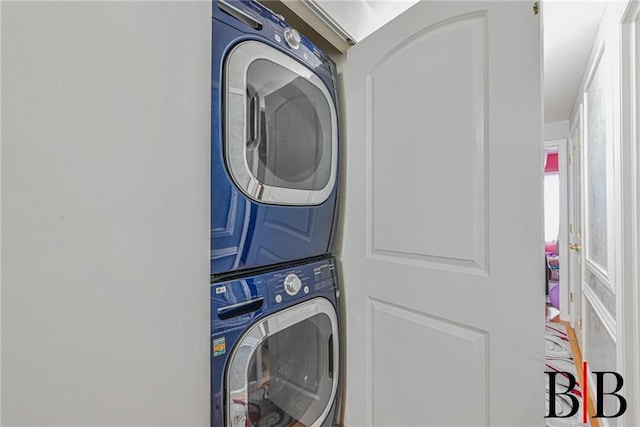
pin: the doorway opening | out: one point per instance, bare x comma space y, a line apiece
552, 231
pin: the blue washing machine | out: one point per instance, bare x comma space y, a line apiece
275, 340
274, 152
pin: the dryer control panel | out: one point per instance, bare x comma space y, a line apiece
252, 17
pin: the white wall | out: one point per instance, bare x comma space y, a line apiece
610, 318
556, 130
105, 195
362, 17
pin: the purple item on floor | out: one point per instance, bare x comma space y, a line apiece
554, 296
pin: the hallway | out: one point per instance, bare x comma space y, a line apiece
563, 355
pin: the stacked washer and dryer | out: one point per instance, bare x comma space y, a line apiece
274, 156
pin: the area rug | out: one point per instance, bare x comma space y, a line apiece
559, 358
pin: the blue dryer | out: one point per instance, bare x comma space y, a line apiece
275, 340
274, 151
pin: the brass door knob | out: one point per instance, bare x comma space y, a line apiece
574, 247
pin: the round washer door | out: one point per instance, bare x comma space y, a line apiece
285, 368
281, 127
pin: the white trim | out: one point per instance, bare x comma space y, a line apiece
581, 173
574, 264
577, 133
322, 23
628, 295
564, 231
593, 67
604, 422
613, 12
603, 314
315, 7
597, 271
576, 113
554, 143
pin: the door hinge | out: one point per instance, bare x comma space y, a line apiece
570, 228
536, 8
581, 324
571, 159
571, 298
580, 233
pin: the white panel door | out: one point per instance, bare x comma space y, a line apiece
575, 224
442, 259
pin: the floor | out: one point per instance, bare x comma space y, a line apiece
551, 312
556, 359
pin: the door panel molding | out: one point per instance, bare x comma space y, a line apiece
596, 234
602, 291
469, 383
455, 154
605, 317
598, 272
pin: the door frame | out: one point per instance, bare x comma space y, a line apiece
576, 132
628, 295
563, 233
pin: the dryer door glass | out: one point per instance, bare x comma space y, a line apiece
289, 377
281, 127
289, 142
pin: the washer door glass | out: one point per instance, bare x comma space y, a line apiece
281, 127
284, 371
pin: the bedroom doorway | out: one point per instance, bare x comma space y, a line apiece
555, 226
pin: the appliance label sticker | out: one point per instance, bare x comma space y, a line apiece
221, 289
219, 347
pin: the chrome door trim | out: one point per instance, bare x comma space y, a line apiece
235, 72
237, 388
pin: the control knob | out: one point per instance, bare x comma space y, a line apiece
292, 284
292, 37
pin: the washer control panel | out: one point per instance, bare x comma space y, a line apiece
298, 282
239, 301
292, 284
292, 37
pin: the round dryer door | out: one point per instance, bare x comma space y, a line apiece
284, 370
281, 127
